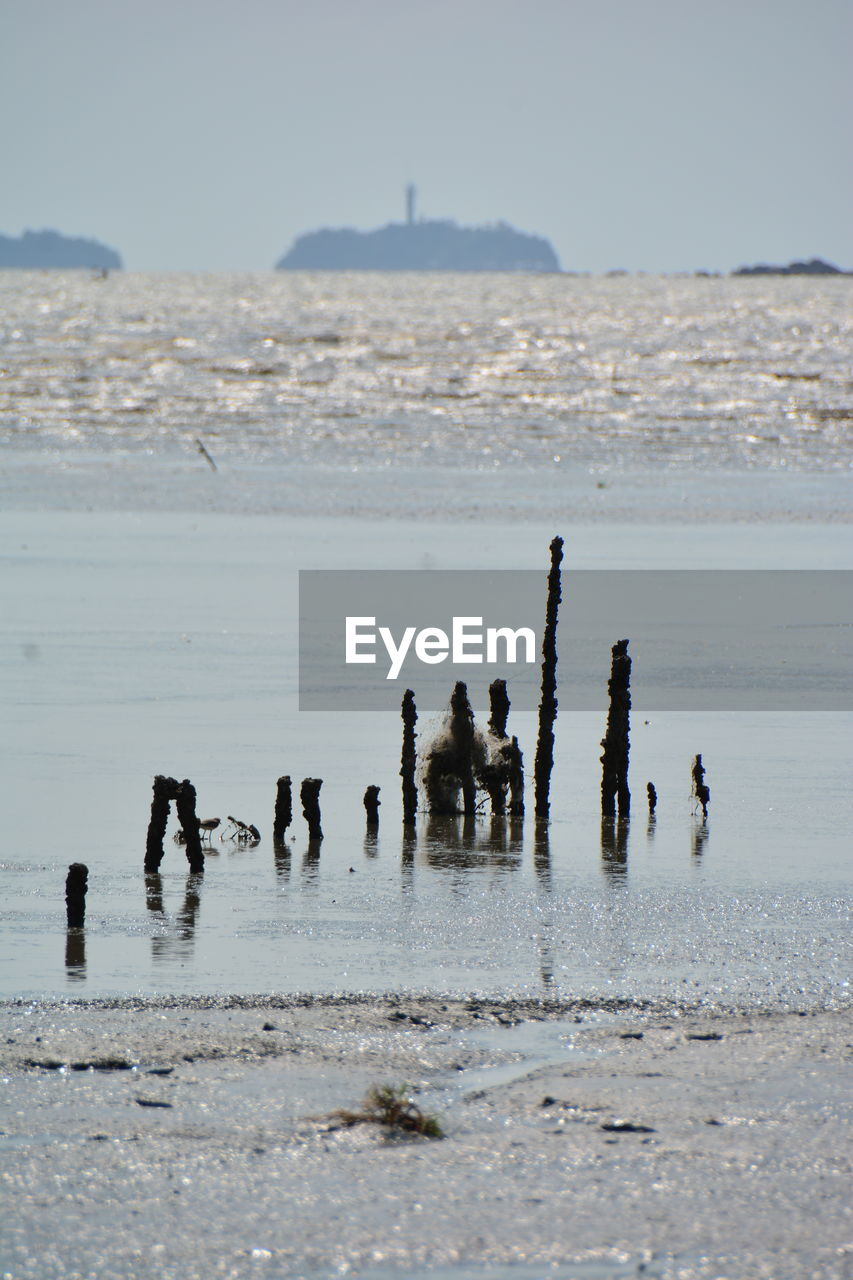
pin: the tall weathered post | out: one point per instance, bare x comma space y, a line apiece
408, 761
544, 761
616, 744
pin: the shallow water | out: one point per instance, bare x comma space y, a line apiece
149, 624
145, 644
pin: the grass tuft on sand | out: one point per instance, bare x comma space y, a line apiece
392, 1106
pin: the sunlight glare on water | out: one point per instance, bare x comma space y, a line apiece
489, 370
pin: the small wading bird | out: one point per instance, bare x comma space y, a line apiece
207, 825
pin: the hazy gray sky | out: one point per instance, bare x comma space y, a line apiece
657, 135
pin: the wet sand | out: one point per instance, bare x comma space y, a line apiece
193, 1138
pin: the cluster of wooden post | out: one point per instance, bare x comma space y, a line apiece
460, 760
183, 793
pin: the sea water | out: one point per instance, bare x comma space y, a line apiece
373, 421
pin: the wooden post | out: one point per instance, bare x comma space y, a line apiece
164, 790
371, 805
516, 781
462, 733
283, 808
544, 761
185, 805
498, 708
700, 790
408, 760
309, 793
614, 760
653, 796
76, 884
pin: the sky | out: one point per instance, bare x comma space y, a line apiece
645, 135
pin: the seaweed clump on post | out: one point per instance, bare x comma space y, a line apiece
454, 759
544, 761
616, 743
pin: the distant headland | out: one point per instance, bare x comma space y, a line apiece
35, 250
814, 267
420, 244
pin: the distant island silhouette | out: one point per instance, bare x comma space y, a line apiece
814, 267
35, 250
420, 245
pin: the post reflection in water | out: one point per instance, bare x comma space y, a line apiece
371, 840
614, 848
311, 863
407, 860
698, 837
542, 867
179, 934
281, 854
651, 828
461, 843
75, 955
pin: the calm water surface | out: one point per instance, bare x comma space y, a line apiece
149, 624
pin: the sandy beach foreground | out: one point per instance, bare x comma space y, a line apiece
194, 1138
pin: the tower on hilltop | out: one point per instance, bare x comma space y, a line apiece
410, 204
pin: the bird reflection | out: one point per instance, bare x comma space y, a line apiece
614, 847
179, 935
75, 954
698, 837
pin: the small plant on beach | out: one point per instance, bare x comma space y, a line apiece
392, 1106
